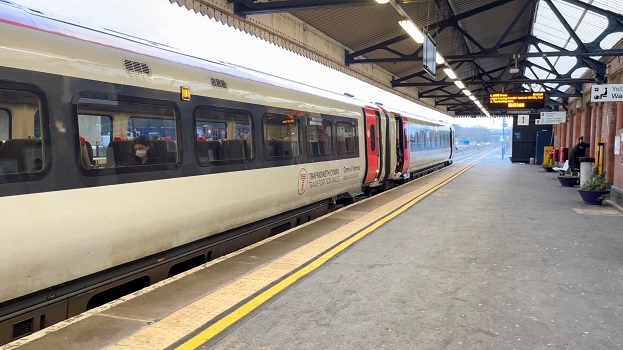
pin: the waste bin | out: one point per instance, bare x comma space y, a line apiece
586, 168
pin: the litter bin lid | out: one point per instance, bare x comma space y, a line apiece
587, 160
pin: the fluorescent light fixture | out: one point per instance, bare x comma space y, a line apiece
439, 59
467, 92
450, 73
412, 30
382, 1
459, 84
472, 97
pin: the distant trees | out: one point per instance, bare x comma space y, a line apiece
474, 133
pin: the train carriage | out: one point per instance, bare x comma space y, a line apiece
235, 156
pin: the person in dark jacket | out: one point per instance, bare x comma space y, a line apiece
574, 156
143, 155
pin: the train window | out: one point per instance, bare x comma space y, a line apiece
223, 136
5, 125
21, 150
96, 131
142, 134
347, 137
318, 136
281, 135
413, 138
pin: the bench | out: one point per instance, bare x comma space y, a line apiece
564, 168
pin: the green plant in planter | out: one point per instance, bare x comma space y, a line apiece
548, 166
596, 182
595, 189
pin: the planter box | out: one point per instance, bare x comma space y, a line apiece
567, 181
592, 197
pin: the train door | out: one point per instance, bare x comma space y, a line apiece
381, 118
452, 145
372, 145
388, 145
403, 140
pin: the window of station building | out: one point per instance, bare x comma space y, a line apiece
223, 136
319, 136
21, 144
281, 135
119, 134
347, 137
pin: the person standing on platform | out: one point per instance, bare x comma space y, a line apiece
574, 156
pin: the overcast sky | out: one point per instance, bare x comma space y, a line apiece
166, 23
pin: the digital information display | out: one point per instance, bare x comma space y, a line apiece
516, 100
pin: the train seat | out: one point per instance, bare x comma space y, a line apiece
165, 151
119, 153
21, 155
341, 146
350, 144
208, 151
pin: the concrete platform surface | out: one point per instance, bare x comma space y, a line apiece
502, 257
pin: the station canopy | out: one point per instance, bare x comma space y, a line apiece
493, 46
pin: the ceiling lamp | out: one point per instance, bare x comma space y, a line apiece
382, 1
514, 70
472, 97
467, 92
449, 73
412, 30
459, 84
439, 59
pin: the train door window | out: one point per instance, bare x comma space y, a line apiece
142, 134
21, 151
347, 137
372, 138
223, 136
319, 136
281, 135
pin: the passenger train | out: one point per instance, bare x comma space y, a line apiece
235, 157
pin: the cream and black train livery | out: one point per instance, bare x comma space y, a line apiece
123, 163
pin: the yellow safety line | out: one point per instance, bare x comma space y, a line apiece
233, 317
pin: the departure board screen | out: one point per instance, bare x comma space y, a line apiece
516, 100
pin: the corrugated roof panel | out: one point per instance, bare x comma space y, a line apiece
610, 5
611, 40
578, 73
591, 26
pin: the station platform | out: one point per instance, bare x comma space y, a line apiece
484, 254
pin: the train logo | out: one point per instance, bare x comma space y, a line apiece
303, 181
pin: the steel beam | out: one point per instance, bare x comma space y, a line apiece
495, 82
249, 8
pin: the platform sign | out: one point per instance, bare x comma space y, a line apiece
607, 93
523, 119
552, 118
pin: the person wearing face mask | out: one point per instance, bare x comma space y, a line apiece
143, 154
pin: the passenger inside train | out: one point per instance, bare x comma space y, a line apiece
143, 153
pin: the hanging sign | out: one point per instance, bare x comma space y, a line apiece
523, 119
552, 118
607, 93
